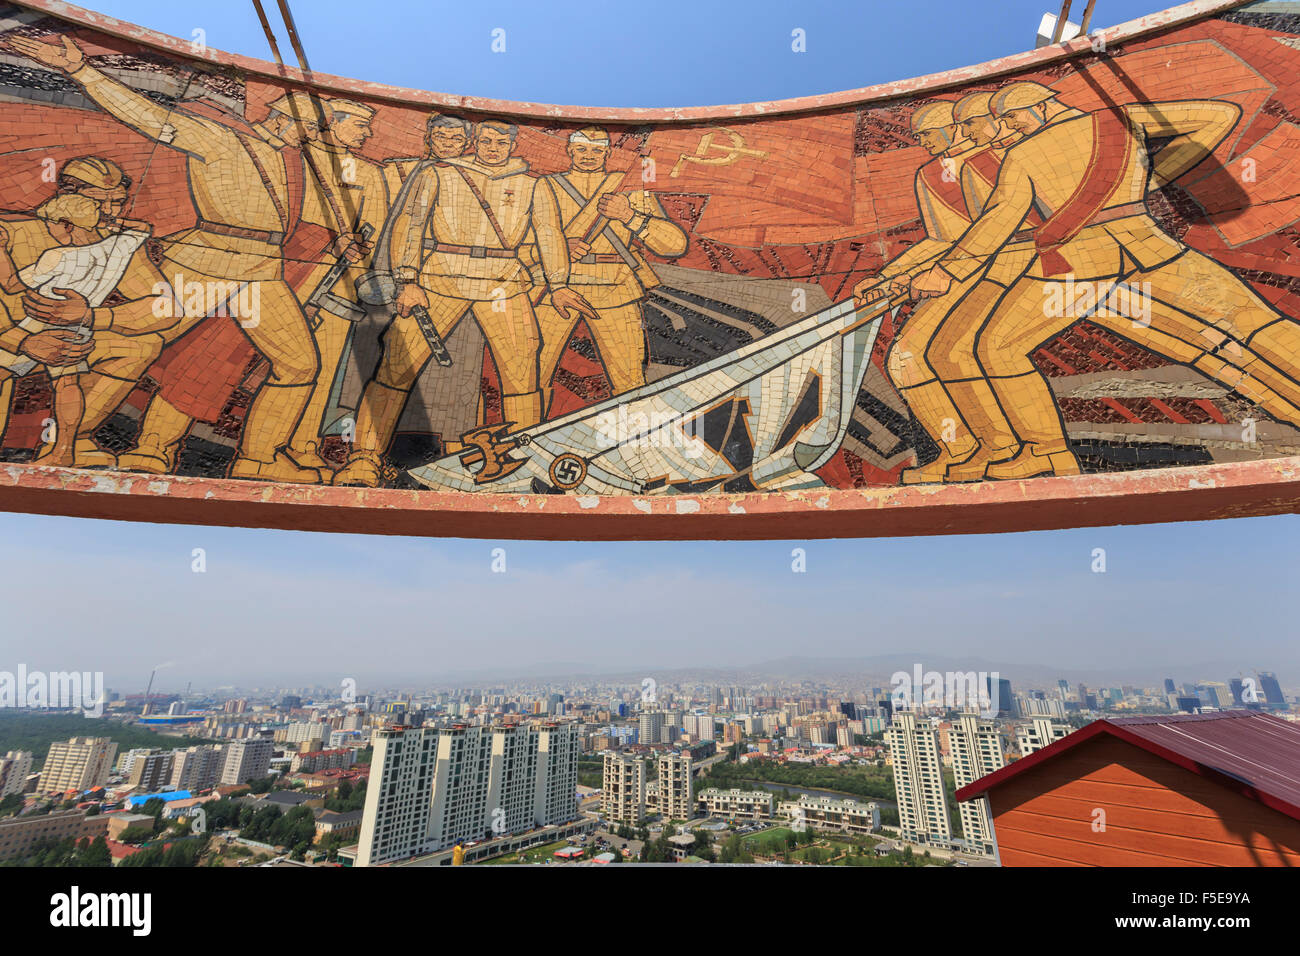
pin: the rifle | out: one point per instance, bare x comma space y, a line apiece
323, 298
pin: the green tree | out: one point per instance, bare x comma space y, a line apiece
95, 853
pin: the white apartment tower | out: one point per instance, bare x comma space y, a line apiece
622, 792
195, 768
435, 787
151, 770
77, 764
650, 727
245, 760
976, 748
676, 787
1038, 733
14, 768
918, 779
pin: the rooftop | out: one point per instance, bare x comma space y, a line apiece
1250, 752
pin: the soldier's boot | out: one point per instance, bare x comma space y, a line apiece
161, 432
934, 410
377, 415
280, 468
1031, 410
522, 410
85, 454
103, 394
308, 456
1033, 461
997, 441
260, 458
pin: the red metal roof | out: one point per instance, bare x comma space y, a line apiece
1252, 753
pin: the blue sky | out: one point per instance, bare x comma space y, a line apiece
1193, 600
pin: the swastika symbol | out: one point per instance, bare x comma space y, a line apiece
568, 471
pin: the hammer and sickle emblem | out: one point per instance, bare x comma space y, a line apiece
729, 153
492, 448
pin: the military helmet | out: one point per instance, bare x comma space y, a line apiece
932, 116
968, 107
1019, 96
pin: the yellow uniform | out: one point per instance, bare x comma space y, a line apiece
613, 276
945, 194
240, 187
1251, 348
348, 191
464, 254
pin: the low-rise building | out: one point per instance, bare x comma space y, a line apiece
823, 813
346, 826
1195, 790
317, 760
120, 822
736, 804
21, 835
681, 845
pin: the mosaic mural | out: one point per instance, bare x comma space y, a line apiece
1091, 267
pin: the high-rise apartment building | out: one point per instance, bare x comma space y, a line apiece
1037, 733
77, 764
622, 793
918, 779
1271, 689
196, 768
976, 748
151, 770
432, 788
1235, 686
651, 726
245, 760
676, 787
14, 769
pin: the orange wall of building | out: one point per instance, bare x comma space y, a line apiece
1155, 814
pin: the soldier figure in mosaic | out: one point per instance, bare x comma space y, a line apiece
116, 342
247, 187
455, 249
1087, 174
351, 192
944, 196
603, 228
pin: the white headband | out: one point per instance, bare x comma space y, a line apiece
578, 136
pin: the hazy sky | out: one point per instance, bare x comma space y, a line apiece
272, 606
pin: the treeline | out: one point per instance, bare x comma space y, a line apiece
35, 733
348, 797
184, 852
876, 783
65, 852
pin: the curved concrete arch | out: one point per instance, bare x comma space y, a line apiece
741, 414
